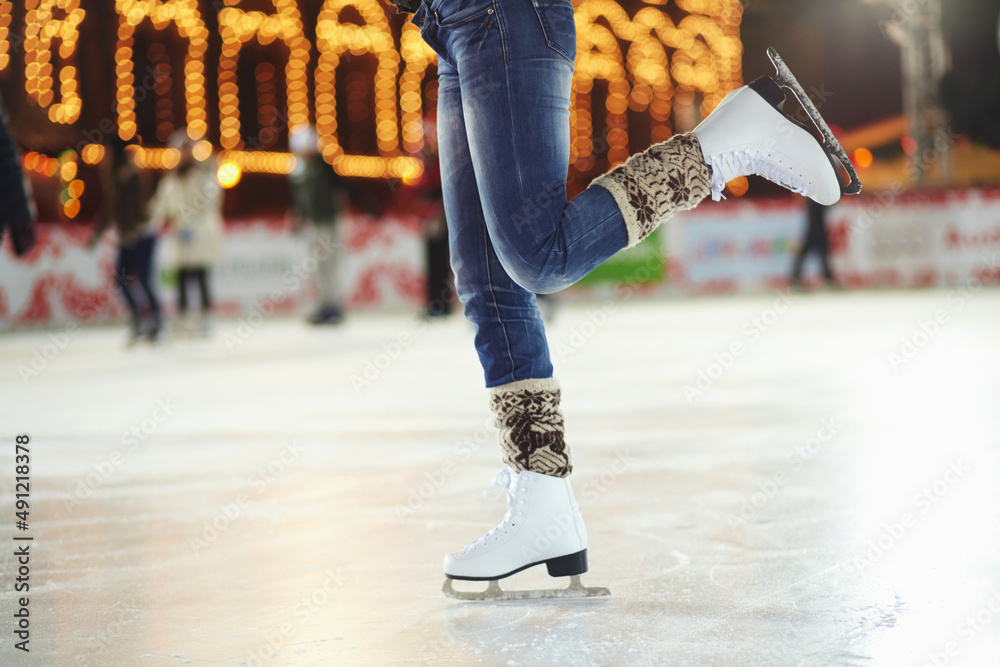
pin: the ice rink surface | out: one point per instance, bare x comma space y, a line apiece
767, 480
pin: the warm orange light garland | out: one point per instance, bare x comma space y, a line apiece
333, 38
704, 61
42, 28
238, 27
5, 8
707, 57
418, 57
185, 16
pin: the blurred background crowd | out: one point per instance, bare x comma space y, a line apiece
170, 161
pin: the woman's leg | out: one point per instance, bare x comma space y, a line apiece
510, 339
182, 278
505, 73
516, 98
123, 278
438, 271
510, 335
514, 62
201, 273
324, 246
144, 271
515, 70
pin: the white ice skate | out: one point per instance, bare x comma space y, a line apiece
749, 134
542, 525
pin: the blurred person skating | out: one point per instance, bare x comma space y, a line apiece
190, 197
319, 198
816, 241
431, 212
17, 211
505, 73
124, 200
424, 201
439, 288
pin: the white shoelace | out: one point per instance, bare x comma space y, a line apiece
727, 166
503, 482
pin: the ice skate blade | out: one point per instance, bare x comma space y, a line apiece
494, 593
786, 79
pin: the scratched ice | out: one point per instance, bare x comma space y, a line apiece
828, 495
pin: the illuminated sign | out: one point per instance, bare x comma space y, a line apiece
666, 68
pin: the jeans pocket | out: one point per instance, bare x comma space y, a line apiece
559, 26
451, 13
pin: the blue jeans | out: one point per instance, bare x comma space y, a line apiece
505, 69
135, 264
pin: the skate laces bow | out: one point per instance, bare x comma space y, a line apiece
501, 484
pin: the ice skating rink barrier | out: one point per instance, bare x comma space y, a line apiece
883, 239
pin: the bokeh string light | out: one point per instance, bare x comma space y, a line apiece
162, 91
72, 186
42, 29
5, 9
238, 27
187, 19
333, 39
674, 66
156, 158
706, 60
92, 154
418, 57
40, 164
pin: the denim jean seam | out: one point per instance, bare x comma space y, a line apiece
510, 112
501, 25
493, 296
546, 30
593, 229
464, 21
513, 143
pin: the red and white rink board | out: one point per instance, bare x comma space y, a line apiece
265, 266
916, 239
912, 239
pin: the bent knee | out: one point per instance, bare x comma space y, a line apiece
537, 280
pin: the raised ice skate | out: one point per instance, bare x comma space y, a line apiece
542, 526
749, 134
